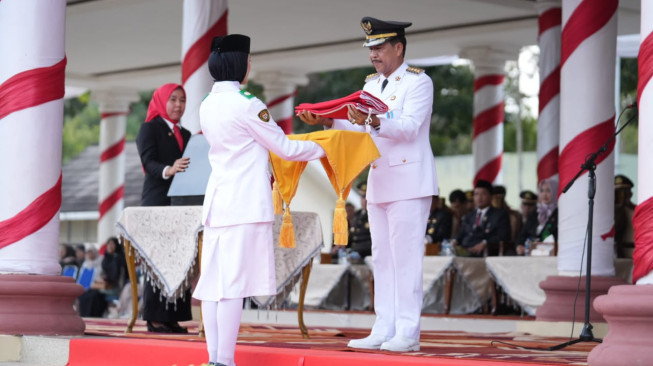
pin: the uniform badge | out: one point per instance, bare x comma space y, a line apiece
367, 27
264, 115
393, 97
397, 78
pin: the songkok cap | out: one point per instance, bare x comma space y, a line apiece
528, 198
621, 181
499, 190
378, 31
484, 184
361, 188
230, 43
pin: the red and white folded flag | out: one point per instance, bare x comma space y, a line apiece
337, 108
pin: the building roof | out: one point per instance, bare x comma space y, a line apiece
81, 174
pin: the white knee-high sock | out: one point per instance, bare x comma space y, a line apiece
210, 320
229, 313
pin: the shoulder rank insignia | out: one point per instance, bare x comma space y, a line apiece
247, 94
415, 70
264, 115
371, 76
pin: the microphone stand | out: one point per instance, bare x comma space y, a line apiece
586, 334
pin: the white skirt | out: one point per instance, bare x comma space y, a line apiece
237, 262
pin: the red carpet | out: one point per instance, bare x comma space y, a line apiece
279, 345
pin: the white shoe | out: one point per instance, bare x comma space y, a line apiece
400, 344
372, 341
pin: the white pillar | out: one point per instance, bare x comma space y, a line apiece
589, 35
643, 219
280, 89
548, 122
203, 20
114, 108
31, 118
487, 145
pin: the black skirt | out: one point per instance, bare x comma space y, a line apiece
156, 310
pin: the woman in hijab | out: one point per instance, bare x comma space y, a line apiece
542, 222
161, 141
237, 253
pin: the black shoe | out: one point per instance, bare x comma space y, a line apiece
159, 329
176, 328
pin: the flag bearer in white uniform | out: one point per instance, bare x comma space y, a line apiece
400, 185
237, 255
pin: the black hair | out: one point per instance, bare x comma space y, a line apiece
228, 66
457, 196
399, 39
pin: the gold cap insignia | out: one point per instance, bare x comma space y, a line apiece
367, 27
264, 115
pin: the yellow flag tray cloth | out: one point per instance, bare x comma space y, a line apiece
348, 153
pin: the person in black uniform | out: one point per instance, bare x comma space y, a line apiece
528, 204
542, 222
485, 229
161, 141
360, 241
624, 209
458, 204
440, 221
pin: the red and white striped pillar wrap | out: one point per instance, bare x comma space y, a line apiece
487, 145
587, 61
643, 219
548, 122
281, 107
203, 20
114, 109
280, 89
32, 73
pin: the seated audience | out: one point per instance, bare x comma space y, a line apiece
499, 201
485, 230
360, 241
458, 202
439, 223
528, 205
80, 254
624, 209
67, 255
543, 222
106, 288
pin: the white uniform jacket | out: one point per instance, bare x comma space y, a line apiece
406, 168
240, 132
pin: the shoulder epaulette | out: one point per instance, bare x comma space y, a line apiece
371, 76
415, 70
246, 94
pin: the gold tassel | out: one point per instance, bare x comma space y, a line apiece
340, 224
277, 200
287, 235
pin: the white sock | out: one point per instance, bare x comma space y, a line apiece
210, 320
229, 313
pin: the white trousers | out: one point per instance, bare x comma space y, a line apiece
398, 230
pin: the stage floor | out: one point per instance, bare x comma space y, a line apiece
106, 343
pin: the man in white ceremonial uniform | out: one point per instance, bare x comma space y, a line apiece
400, 184
238, 253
